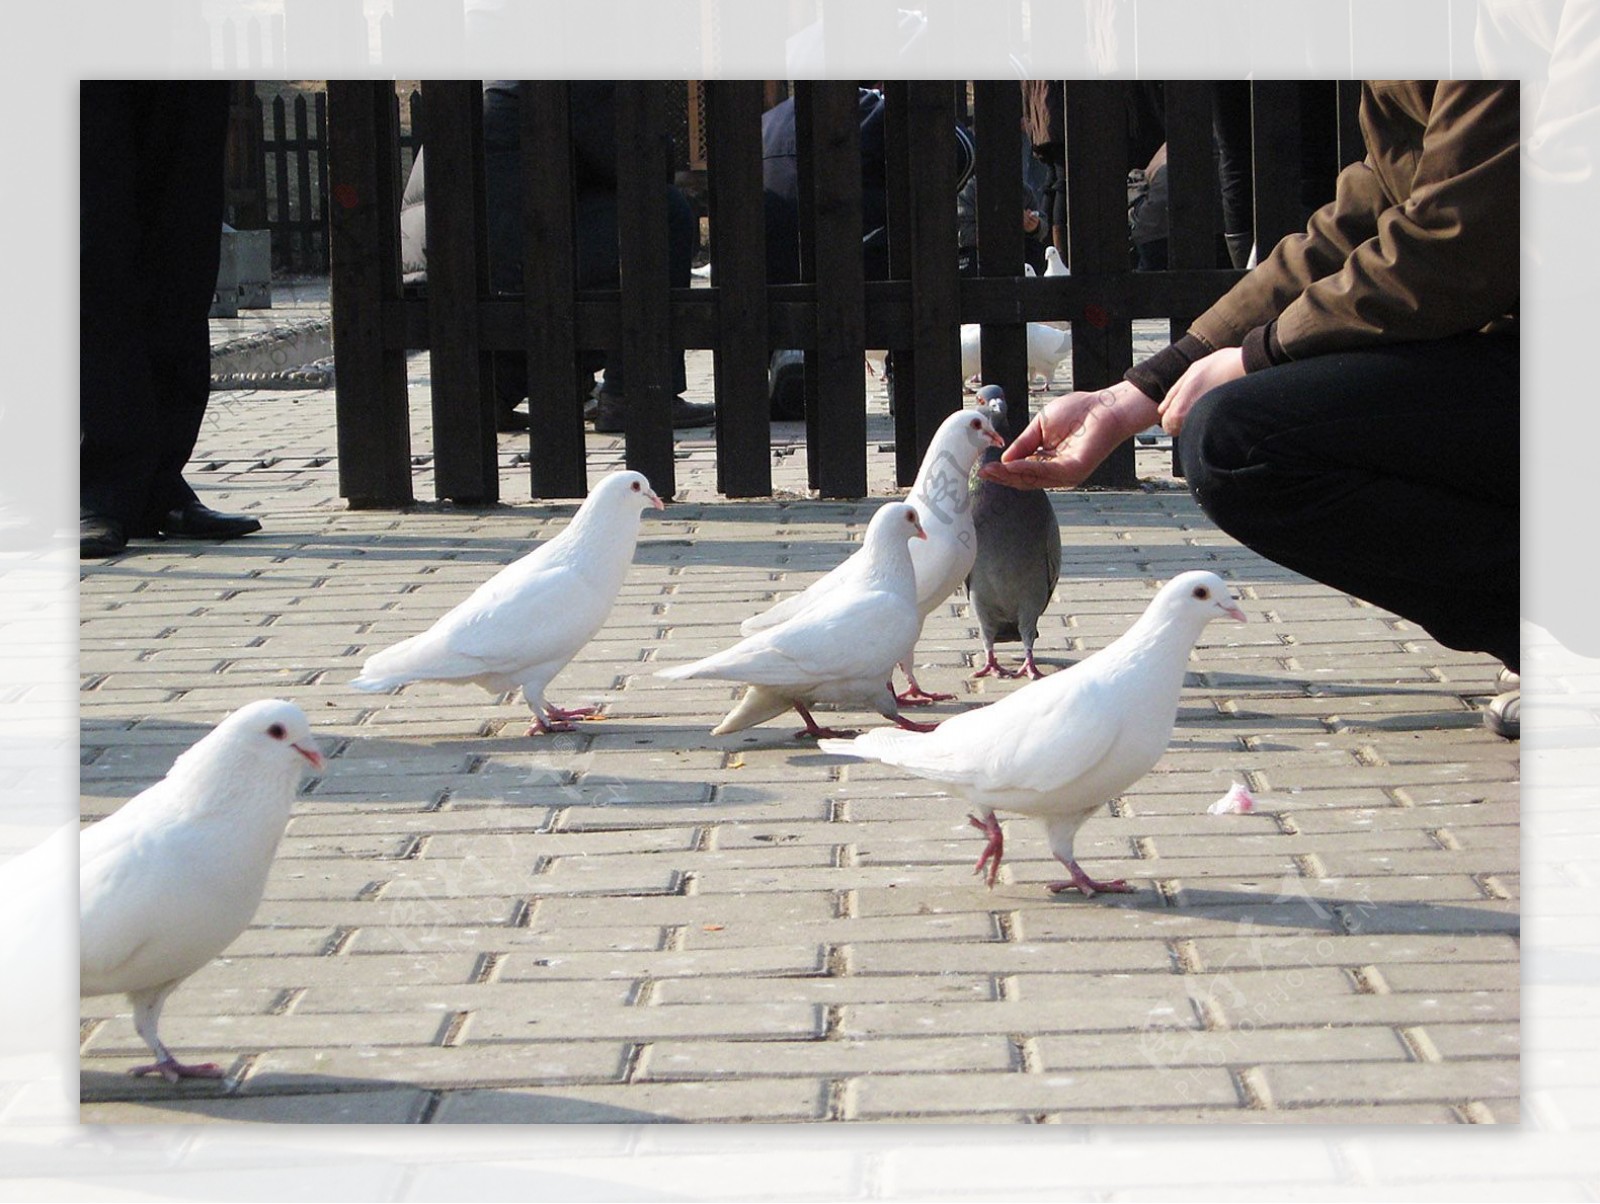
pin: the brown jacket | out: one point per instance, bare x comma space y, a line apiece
1419, 242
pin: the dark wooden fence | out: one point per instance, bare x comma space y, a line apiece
833, 313
278, 170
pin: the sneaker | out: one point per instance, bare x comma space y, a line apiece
1503, 716
610, 415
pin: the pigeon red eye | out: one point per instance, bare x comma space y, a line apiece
977, 424
1201, 592
276, 731
635, 486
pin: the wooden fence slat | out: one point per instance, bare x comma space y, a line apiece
282, 228
1194, 210
1000, 237
839, 447
1352, 146
643, 169
302, 136
549, 274
1275, 145
935, 284
897, 171
739, 279
373, 425
464, 452
1194, 201
1097, 201
805, 173
832, 312
320, 215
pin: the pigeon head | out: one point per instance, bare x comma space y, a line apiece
1195, 598
896, 522
266, 738
965, 434
627, 488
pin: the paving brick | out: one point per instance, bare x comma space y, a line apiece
1182, 1051
1065, 1013
798, 958
677, 1060
343, 1067
1351, 1083
398, 1106
783, 1020
759, 1099
117, 1039
1144, 1088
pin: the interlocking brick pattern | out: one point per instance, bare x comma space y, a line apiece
641, 922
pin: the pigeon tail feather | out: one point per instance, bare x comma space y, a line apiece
757, 706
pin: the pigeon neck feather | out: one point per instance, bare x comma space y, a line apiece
596, 528
950, 452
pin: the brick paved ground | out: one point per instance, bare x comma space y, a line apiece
645, 923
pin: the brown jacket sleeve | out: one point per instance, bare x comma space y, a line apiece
1420, 241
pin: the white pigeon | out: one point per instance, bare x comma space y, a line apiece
1054, 265
1047, 347
942, 497
522, 626
1061, 747
167, 881
841, 649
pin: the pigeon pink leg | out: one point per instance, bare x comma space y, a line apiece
911, 725
915, 695
540, 725
172, 1070
993, 850
147, 1004
565, 713
1028, 667
818, 733
993, 668
1087, 885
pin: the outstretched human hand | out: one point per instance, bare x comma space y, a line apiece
1067, 440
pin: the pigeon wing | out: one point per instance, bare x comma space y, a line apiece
836, 641
818, 591
506, 625
1020, 743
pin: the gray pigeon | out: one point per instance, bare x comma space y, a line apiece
1018, 561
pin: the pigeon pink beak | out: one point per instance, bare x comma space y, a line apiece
1233, 612
311, 755
655, 501
921, 534
997, 439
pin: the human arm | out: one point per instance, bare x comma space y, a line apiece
1418, 243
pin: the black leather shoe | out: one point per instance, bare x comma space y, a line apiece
194, 521
610, 416
99, 536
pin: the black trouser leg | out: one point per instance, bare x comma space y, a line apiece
150, 240
1390, 474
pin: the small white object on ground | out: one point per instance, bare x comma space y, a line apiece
1238, 801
